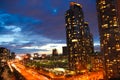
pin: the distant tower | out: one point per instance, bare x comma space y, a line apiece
54, 52
88, 38
65, 50
109, 28
78, 34
12, 55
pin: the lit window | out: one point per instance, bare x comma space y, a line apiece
105, 26
68, 19
74, 40
117, 47
113, 9
110, 21
103, 2
115, 23
114, 60
109, 48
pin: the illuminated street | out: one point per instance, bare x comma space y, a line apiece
29, 74
60, 40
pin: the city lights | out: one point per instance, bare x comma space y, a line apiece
44, 53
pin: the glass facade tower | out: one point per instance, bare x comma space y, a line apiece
79, 39
109, 29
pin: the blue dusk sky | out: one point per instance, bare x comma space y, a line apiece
29, 26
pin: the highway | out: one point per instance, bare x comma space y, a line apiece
31, 74
28, 73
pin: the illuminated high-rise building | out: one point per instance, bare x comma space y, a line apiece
88, 39
65, 51
78, 37
109, 28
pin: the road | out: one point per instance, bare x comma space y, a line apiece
29, 74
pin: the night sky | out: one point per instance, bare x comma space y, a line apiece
29, 26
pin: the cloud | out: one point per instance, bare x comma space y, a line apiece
53, 25
21, 51
25, 23
43, 10
10, 23
6, 38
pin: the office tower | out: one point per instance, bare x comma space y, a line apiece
54, 52
109, 29
88, 40
36, 55
65, 51
77, 37
12, 55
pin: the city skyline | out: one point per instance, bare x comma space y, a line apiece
88, 40
38, 26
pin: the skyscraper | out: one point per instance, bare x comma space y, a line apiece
77, 33
88, 39
109, 28
54, 52
65, 51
